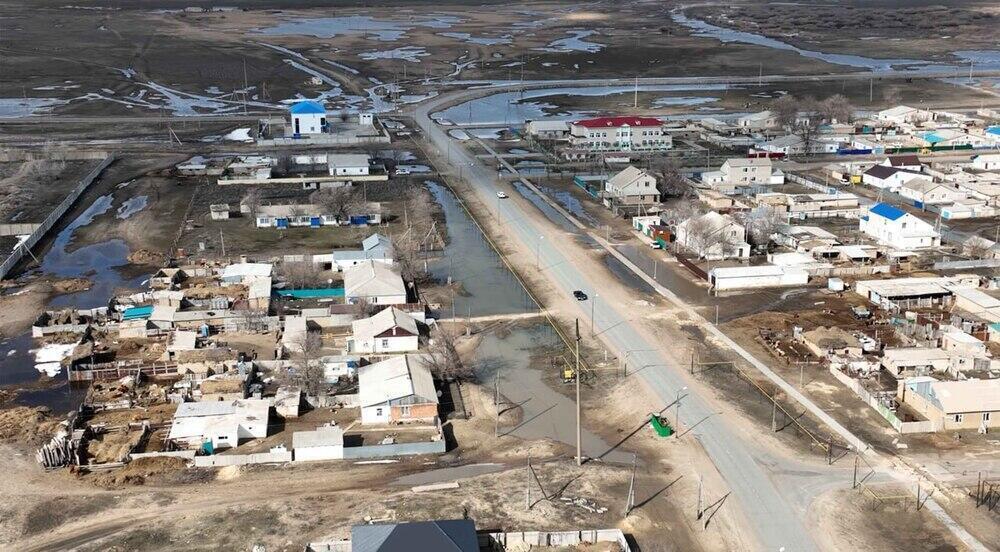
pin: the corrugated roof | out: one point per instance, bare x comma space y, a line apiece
395, 378
885, 210
456, 535
385, 320
614, 122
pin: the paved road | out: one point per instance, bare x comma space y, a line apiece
778, 522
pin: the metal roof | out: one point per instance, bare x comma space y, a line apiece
307, 107
454, 535
885, 210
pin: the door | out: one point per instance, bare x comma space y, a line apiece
282, 223
296, 125
315, 222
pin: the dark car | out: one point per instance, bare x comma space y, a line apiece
580, 296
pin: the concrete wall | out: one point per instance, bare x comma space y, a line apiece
53, 217
503, 541
50, 154
399, 449
186, 454
242, 459
315, 454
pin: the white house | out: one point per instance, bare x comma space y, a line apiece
906, 162
713, 236
914, 361
895, 228
986, 162
904, 114
217, 425
323, 443
978, 303
620, 134
950, 137
395, 390
375, 283
890, 178
741, 172
548, 129
376, 247
308, 117
349, 164
757, 121
389, 331
631, 187
925, 192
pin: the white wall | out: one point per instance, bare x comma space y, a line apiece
399, 344
309, 123
313, 454
371, 414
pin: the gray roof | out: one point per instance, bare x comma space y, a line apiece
454, 535
374, 247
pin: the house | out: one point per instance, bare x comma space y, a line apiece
376, 248
547, 129
895, 228
953, 405
739, 172
310, 215
455, 535
399, 389
806, 206
902, 115
217, 425
986, 162
755, 122
629, 133
790, 144
323, 443
713, 236
308, 117
949, 137
242, 273
374, 283
925, 192
349, 164
389, 331
890, 178
914, 292
905, 162
632, 188
958, 342
914, 361
978, 303
746, 277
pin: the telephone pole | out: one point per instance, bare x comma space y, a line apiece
579, 448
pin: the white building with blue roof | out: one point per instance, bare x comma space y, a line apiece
308, 117
893, 227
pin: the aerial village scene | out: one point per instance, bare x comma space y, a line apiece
471, 275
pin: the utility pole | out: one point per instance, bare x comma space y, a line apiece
699, 496
593, 303
635, 97
579, 448
677, 412
223, 240
630, 499
527, 486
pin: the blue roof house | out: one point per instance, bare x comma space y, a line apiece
895, 228
308, 117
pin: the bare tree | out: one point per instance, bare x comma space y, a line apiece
252, 199
339, 202
761, 223
704, 237
442, 357
786, 110
671, 181
836, 108
301, 274
307, 370
978, 247
891, 95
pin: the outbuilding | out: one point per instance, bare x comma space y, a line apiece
746, 277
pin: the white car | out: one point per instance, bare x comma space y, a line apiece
402, 170
501, 195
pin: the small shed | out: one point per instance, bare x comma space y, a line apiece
219, 211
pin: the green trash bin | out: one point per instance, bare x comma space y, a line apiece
660, 425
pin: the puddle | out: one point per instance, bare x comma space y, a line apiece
369, 27
626, 276
132, 206
574, 43
24, 107
445, 475
511, 108
684, 101
489, 288
481, 40
547, 413
414, 169
571, 203
406, 53
531, 168
546, 209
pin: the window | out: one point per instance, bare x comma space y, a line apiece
958, 417
385, 343
986, 416
378, 411
404, 411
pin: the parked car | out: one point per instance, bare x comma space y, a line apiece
501, 195
580, 296
402, 170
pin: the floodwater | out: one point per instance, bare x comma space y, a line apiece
371, 28
574, 43
132, 206
98, 262
571, 203
550, 212
510, 108
23, 107
482, 40
547, 414
982, 59
684, 101
489, 288
406, 53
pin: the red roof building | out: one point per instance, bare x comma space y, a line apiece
618, 134
615, 122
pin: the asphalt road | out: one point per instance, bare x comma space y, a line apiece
777, 521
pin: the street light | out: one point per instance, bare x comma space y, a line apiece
625, 358
538, 250
677, 412
593, 303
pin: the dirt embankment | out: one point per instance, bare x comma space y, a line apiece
22, 424
20, 308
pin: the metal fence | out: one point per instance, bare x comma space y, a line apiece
50, 221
